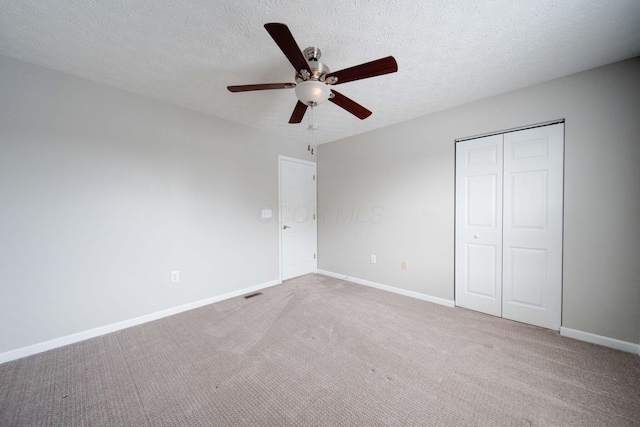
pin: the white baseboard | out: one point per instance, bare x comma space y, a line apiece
600, 340
417, 295
570, 333
92, 333
102, 330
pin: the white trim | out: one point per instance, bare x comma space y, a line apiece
280, 158
293, 159
566, 332
629, 347
406, 293
549, 123
102, 330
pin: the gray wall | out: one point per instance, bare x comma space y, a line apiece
103, 193
390, 193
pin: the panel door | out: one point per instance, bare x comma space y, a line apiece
297, 217
532, 230
478, 245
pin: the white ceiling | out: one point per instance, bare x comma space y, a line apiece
449, 52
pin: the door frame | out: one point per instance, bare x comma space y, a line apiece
315, 166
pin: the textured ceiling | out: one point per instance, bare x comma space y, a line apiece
449, 52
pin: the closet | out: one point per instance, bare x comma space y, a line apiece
508, 241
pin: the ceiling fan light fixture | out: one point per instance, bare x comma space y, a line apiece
313, 77
312, 92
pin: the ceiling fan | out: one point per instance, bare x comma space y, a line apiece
312, 78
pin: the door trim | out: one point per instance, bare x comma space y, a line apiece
537, 125
305, 162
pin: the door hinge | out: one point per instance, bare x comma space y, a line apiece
314, 177
314, 256
314, 216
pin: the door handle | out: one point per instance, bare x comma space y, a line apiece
476, 236
284, 227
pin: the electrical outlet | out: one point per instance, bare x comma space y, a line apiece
373, 259
405, 265
175, 276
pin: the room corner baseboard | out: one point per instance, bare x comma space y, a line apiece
103, 330
567, 332
412, 294
600, 340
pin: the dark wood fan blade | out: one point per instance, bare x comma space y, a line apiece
285, 41
263, 86
298, 113
364, 71
350, 105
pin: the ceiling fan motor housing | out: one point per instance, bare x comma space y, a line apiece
312, 90
318, 69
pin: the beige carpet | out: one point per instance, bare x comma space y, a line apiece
319, 351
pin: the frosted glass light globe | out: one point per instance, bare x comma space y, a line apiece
312, 92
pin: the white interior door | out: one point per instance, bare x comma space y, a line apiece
478, 253
532, 230
508, 248
298, 229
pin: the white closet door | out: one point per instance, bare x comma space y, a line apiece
532, 230
478, 248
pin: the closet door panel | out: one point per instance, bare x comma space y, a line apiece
532, 230
478, 256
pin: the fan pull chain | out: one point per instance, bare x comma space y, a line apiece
311, 128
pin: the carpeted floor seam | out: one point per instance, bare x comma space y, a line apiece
133, 380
